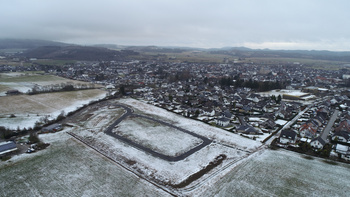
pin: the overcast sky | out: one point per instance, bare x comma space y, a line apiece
274, 24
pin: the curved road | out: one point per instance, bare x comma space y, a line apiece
129, 112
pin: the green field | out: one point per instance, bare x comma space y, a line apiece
313, 63
28, 77
54, 62
190, 56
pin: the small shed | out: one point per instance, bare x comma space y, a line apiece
52, 128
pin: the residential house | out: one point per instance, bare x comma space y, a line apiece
222, 122
341, 136
247, 129
317, 143
308, 129
288, 136
343, 126
343, 150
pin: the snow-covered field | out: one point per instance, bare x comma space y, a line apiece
284, 173
68, 168
165, 140
28, 109
160, 138
197, 127
26, 81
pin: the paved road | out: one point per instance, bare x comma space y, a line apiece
288, 124
108, 131
241, 120
328, 128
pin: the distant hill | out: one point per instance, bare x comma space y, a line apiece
58, 50
27, 43
267, 53
76, 53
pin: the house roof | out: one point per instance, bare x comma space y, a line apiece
6, 146
290, 134
247, 129
53, 126
319, 139
343, 134
342, 148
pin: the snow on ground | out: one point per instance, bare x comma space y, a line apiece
283, 173
160, 138
171, 172
194, 126
68, 168
23, 87
256, 119
234, 146
281, 122
28, 109
283, 91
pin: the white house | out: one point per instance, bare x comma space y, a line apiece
223, 122
343, 150
317, 143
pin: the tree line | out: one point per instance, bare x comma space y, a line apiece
255, 85
59, 88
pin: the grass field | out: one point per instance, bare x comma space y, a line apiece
68, 168
190, 56
313, 63
27, 77
54, 62
39, 61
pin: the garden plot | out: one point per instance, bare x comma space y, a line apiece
156, 136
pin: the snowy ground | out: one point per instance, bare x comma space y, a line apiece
28, 109
198, 127
163, 139
284, 173
167, 140
23, 82
68, 168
